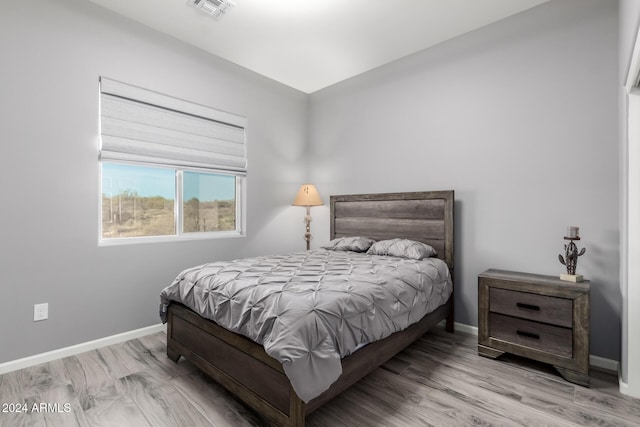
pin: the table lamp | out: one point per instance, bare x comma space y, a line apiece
307, 196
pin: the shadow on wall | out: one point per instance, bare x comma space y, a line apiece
283, 231
605, 298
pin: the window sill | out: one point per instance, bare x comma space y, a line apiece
166, 239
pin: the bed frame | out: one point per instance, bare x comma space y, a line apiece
244, 368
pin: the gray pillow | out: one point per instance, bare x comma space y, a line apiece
352, 243
403, 248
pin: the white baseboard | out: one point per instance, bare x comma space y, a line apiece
15, 365
624, 387
473, 330
626, 390
594, 361
604, 364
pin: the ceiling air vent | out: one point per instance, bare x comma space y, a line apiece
215, 8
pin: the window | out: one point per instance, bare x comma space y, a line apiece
208, 202
170, 168
137, 201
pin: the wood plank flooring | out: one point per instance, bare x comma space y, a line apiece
440, 380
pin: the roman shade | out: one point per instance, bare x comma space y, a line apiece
143, 126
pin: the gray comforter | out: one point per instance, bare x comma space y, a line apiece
310, 309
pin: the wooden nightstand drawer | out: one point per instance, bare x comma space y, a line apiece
542, 308
552, 339
535, 316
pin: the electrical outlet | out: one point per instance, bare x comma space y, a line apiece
40, 312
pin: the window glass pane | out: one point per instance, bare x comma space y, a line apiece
209, 202
137, 201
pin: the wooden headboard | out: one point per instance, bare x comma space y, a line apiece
425, 216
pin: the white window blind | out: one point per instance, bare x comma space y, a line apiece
139, 125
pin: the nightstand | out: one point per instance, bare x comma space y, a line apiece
539, 317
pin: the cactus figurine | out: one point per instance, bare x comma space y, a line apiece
571, 256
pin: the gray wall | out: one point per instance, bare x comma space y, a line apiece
52, 54
519, 118
629, 15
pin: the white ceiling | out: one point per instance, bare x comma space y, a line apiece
312, 44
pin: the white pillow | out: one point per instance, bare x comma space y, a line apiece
403, 248
351, 243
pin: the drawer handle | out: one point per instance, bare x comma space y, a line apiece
528, 306
528, 334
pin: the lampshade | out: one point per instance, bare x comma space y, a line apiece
307, 196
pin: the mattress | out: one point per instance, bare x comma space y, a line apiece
311, 309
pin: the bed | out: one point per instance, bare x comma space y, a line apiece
245, 369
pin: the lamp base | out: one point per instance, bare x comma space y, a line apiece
575, 278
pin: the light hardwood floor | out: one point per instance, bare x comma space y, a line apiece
440, 380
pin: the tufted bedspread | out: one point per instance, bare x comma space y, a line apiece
310, 309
